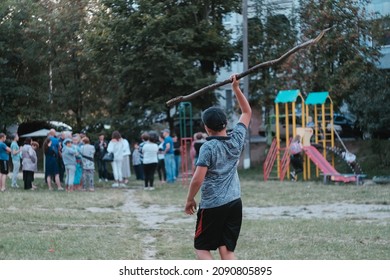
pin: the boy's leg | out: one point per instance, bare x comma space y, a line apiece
203, 255
226, 254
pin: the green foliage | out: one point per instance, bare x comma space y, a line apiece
338, 61
269, 36
158, 50
371, 101
23, 77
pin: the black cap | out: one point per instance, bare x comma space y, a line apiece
214, 118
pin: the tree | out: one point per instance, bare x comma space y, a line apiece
45, 72
343, 55
270, 35
71, 97
23, 76
158, 50
370, 102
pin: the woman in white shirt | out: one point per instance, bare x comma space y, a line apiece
149, 151
116, 147
126, 173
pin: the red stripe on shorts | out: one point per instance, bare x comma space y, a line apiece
199, 229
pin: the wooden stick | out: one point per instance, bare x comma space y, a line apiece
178, 99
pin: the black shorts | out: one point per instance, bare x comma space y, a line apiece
4, 167
218, 226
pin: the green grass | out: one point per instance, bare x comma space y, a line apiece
103, 225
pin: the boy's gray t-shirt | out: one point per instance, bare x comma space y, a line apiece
221, 156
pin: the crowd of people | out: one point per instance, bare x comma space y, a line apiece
70, 160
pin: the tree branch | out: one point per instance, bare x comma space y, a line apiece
269, 63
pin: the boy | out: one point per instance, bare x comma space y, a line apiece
4, 158
69, 158
219, 215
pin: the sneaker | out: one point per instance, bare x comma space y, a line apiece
115, 185
15, 186
292, 176
100, 180
151, 188
105, 180
122, 185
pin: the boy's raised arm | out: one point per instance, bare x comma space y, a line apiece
246, 110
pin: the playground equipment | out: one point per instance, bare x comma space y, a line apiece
322, 114
289, 99
316, 136
186, 132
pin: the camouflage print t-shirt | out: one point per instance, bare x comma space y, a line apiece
221, 156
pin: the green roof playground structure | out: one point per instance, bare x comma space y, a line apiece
315, 125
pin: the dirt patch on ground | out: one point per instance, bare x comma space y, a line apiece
156, 217
321, 211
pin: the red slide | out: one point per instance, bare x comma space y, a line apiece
326, 168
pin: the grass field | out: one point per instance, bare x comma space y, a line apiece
282, 220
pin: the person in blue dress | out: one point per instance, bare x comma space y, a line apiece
52, 171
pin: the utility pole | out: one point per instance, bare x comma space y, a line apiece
247, 152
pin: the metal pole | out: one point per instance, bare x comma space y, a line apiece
247, 153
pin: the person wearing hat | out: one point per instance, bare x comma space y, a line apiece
69, 158
219, 215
